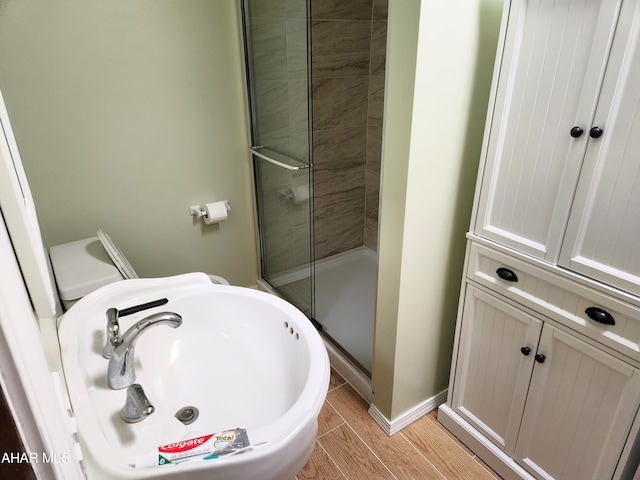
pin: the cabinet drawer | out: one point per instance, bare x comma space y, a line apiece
558, 298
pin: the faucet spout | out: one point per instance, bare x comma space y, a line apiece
120, 372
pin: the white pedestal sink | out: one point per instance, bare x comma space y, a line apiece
242, 357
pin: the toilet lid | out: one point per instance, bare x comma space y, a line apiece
117, 257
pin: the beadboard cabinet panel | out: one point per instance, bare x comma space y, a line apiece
493, 373
603, 234
579, 410
554, 59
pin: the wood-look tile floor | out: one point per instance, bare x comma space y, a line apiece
351, 446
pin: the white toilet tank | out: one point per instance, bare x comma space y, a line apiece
81, 267
85, 265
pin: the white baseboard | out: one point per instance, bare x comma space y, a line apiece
392, 426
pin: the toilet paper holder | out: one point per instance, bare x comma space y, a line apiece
198, 211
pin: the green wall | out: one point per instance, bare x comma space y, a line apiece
440, 64
126, 113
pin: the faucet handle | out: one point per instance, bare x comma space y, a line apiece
113, 333
137, 406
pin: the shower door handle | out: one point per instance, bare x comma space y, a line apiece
296, 165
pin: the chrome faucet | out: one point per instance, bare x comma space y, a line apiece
120, 373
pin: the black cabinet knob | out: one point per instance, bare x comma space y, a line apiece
506, 274
599, 315
576, 132
540, 358
595, 132
525, 351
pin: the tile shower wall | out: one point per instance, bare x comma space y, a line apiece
277, 36
348, 60
278, 40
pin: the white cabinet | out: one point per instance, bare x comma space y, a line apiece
553, 60
545, 378
493, 375
560, 174
560, 407
563, 143
580, 406
603, 236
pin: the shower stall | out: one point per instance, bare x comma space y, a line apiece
315, 72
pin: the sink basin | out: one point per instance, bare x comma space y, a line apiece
242, 358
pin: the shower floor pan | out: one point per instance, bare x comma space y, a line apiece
345, 294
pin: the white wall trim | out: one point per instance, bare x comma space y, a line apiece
393, 426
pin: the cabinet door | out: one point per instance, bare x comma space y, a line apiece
550, 75
580, 408
492, 374
603, 234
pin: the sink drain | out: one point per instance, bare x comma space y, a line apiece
187, 415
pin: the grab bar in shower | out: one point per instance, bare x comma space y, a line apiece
255, 150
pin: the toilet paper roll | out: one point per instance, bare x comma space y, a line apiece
300, 194
216, 212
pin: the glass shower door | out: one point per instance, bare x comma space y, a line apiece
277, 49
